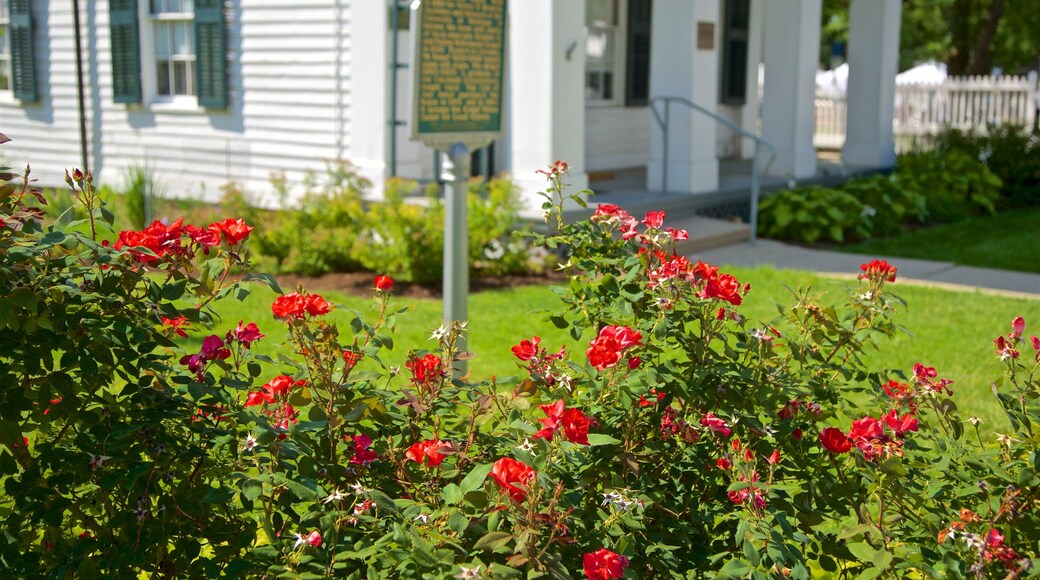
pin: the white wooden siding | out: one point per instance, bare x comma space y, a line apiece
616, 137
288, 107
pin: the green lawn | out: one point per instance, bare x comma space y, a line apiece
952, 331
1007, 241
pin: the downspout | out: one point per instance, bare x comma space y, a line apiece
395, 13
80, 89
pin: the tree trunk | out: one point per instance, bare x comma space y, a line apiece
960, 37
981, 58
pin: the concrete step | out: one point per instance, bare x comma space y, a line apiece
708, 233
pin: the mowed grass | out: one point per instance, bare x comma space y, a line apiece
949, 330
1009, 240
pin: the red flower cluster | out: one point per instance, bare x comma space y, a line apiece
869, 436
539, 362
878, 270
426, 370
429, 452
669, 269
527, 349
605, 350
276, 392
927, 377
672, 425
575, 423
297, 306
604, 565
557, 169
276, 389
163, 241
513, 477
245, 334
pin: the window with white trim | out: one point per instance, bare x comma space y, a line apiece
173, 48
169, 51
5, 52
603, 56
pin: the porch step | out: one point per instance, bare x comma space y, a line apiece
708, 233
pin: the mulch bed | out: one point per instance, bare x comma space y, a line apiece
361, 284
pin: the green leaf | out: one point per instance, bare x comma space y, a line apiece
251, 489
596, 439
493, 540
219, 495
266, 279
853, 531
475, 479
863, 551
452, 494
736, 567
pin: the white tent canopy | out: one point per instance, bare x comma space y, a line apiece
836, 81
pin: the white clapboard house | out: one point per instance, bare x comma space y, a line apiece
203, 92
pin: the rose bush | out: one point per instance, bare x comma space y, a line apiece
686, 441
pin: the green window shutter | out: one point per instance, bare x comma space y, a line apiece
735, 52
23, 61
211, 54
637, 54
126, 51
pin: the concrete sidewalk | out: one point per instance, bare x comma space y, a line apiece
943, 274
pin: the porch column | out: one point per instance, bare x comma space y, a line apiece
368, 129
791, 49
545, 87
873, 64
683, 67
749, 114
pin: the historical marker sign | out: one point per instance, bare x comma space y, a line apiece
459, 52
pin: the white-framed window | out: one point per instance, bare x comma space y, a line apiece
5, 48
170, 68
604, 51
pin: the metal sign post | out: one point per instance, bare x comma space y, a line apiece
457, 108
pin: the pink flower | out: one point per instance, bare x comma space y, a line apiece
362, 454
1018, 326
247, 334
314, 538
213, 348
716, 424
654, 219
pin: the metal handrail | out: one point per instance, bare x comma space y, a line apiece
662, 122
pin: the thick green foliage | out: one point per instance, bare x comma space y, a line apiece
1012, 153
687, 441
934, 185
332, 229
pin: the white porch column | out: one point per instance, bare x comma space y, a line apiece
369, 85
749, 114
545, 88
873, 64
791, 49
678, 68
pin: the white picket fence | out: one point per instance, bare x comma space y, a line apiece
961, 102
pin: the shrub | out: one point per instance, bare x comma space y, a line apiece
1012, 153
333, 230
812, 214
955, 184
686, 440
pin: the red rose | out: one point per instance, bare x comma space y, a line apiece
425, 369
605, 350
176, 324
900, 425
576, 426
724, 287
384, 283
512, 477
428, 452
604, 565
553, 416
878, 269
723, 463
835, 440
527, 349
296, 305
234, 230
247, 334
866, 428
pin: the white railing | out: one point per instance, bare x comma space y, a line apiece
960, 103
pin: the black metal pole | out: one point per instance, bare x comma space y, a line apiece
80, 90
